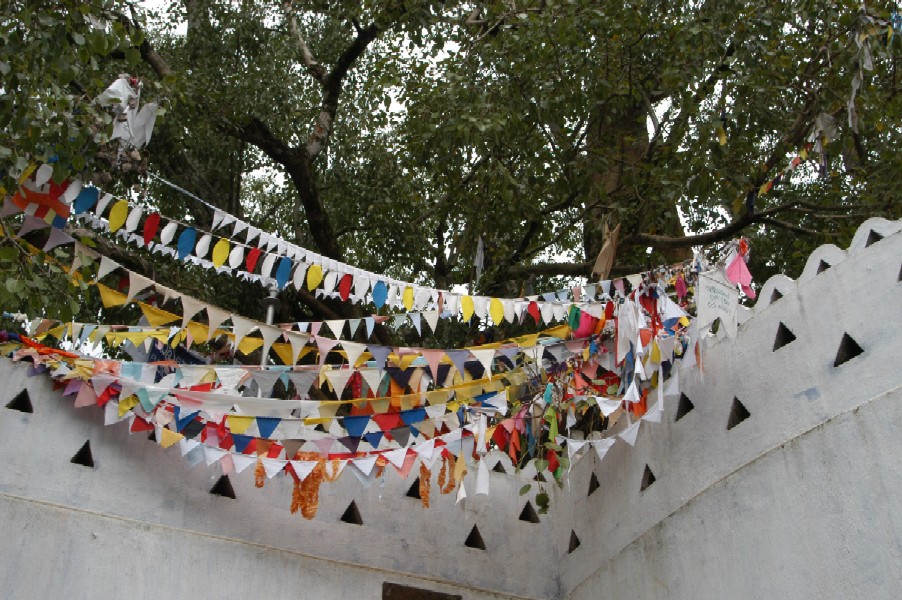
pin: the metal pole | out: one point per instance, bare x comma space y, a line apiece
270, 302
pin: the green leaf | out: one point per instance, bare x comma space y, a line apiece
525, 488
132, 56
542, 501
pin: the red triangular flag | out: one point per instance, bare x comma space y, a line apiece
533, 310
151, 224
344, 286
252, 258
139, 424
387, 421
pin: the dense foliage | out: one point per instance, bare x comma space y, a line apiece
394, 135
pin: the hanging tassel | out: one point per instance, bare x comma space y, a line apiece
259, 474
425, 485
296, 496
446, 483
306, 493
335, 462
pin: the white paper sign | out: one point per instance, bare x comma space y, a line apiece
717, 299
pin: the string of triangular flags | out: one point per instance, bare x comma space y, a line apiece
279, 262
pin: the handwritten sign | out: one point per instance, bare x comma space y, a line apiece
717, 299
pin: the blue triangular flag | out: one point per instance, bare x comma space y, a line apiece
186, 242
182, 421
85, 200
380, 353
373, 438
283, 271
267, 425
380, 294
356, 424
413, 416
241, 441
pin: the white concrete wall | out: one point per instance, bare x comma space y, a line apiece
727, 494
816, 517
801, 498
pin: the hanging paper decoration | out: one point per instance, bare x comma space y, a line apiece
283, 272
186, 242
314, 276
118, 215
151, 224
220, 252
85, 200
251, 261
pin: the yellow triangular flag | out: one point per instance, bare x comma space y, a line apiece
157, 317
496, 311
407, 297
126, 404
283, 351
380, 405
460, 467
110, 297
527, 341
561, 331
170, 437
466, 307
249, 344
135, 337
239, 424
178, 338
220, 252
654, 356
314, 276
198, 331
118, 215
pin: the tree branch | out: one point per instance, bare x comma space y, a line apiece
331, 85
568, 269
712, 237
310, 62
796, 228
256, 132
148, 53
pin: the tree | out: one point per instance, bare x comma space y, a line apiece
384, 134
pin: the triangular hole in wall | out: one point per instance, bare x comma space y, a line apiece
775, 295
152, 436
648, 478
528, 513
414, 491
474, 540
848, 349
684, 407
784, 336
822, 267
352, 515
499, 468
574, 542
223, 487
873, 238
593, 484
83, 457
21, 403
738, 414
